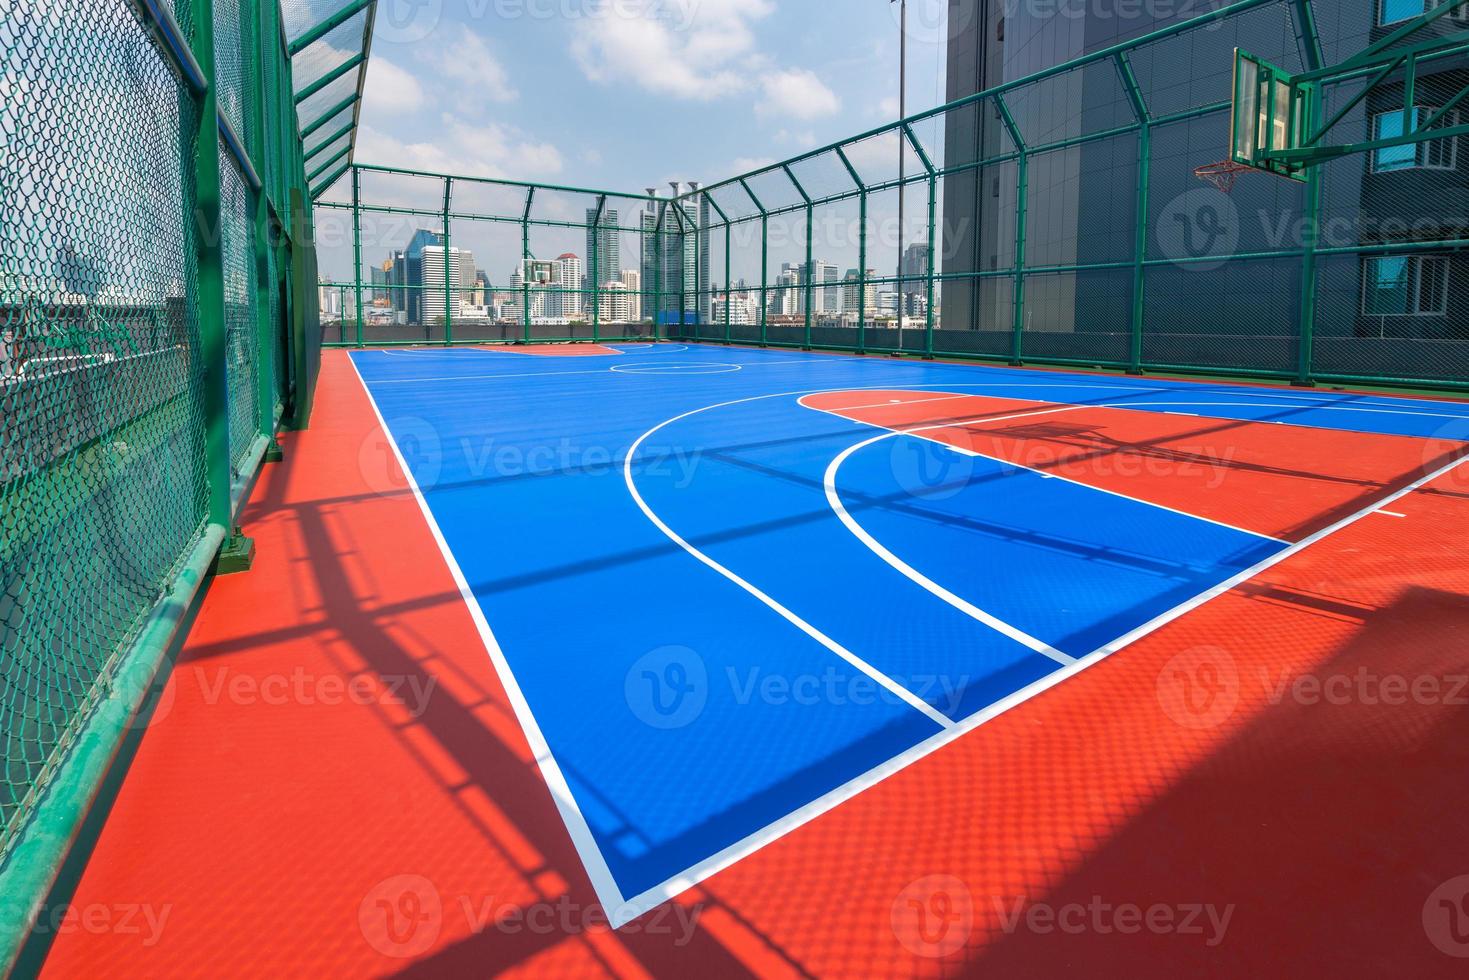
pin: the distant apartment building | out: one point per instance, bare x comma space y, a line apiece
435, 264
604, 245
566, 274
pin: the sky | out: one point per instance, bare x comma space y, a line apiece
626, 94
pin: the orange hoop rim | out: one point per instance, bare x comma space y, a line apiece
1222, 174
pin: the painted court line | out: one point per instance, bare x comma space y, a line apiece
958, 423
834, 500
577, 827
887, 682
1315, 408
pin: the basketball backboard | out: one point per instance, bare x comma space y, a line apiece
1272, 113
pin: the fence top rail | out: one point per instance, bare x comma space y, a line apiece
503, 182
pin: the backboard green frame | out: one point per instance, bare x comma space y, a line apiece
1272, 113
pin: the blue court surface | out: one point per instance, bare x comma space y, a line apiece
720, 611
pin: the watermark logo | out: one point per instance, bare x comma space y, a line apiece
934, 22
1203, 920
1446, 917
1199, 229
402, 916
419, 444
1199, 688
934, 916
406, 21
668, 687
929, 470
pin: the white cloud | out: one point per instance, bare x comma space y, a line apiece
470, 62
459, 148
888, 108
744, 165
796, 93
696, 50
390, 89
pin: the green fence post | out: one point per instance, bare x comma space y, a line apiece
594, 262
661, 216
357, 249
530, 196
213, 329
933, 195
810, 298
1140, 218
1017, 330
728, 287
1140, 251
1022, 205
862, 272
1306, 343
764, 276
448, 289
266, 339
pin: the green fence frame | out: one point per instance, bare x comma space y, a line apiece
354, 326
256, 350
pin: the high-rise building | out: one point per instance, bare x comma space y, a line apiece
853, 300
617, 302
568, 300
604, 246
433, 294
409, 266
633, 281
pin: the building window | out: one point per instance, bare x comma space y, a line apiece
1440, 154
1405, 285
1394, 11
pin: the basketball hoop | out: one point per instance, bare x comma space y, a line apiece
1222, 174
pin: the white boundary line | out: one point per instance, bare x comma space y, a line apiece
685, 368
1315, 408
603, 883
888, 433
834, 500
620, 910
907, 696
485, 377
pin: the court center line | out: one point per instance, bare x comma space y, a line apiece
887, 682
577, 827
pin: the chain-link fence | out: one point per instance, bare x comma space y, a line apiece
144, 308
409, 257
1053, 218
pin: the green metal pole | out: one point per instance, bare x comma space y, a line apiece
265, 288
764, 273
594, 262
1306, 348
728, 287
933, 194
862, 273
525, 266
1017, 331
448, 290
1140, 249
810, 299
357, 248
213, 330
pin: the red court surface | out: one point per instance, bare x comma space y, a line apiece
1272, 785
551, 350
